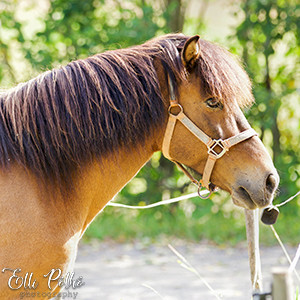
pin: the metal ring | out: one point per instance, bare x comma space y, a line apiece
199, 190
173, 106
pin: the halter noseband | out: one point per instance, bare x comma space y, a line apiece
213, 145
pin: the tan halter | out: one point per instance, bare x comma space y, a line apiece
213, 146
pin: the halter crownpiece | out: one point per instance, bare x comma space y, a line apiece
176, 114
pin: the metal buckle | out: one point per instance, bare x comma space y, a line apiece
213, 145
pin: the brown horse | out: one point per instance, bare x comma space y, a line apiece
73, 137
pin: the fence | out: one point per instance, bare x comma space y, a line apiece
282, 287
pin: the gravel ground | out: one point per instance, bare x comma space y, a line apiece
141, 271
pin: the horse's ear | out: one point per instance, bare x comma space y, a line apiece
191, 52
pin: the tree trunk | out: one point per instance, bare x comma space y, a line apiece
274, 127
176, 14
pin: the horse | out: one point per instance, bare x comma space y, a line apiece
71, 138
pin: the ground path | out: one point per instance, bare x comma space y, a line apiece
113, 271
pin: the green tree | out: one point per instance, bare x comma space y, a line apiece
76, 29
268, 41
10, 36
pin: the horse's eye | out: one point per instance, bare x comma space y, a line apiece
214, 103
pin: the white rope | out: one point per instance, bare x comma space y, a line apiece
163, 202
295, 260
293, 263
284, 250
288, 200
177, 199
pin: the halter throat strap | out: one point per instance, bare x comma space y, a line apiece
216, 148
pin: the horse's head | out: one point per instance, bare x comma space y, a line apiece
211, 98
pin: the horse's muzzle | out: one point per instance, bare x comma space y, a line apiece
255, 194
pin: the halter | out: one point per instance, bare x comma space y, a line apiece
176, 113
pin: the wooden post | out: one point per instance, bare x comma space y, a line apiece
282, 288
252, 228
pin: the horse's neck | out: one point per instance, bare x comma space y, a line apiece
101, 181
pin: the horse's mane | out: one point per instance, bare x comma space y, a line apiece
65, 117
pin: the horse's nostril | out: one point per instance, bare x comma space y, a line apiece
244, 193
271, 183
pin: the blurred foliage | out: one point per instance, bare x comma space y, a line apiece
75, 29
268, 41
36, 35
10, 34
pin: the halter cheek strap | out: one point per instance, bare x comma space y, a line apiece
216, 148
